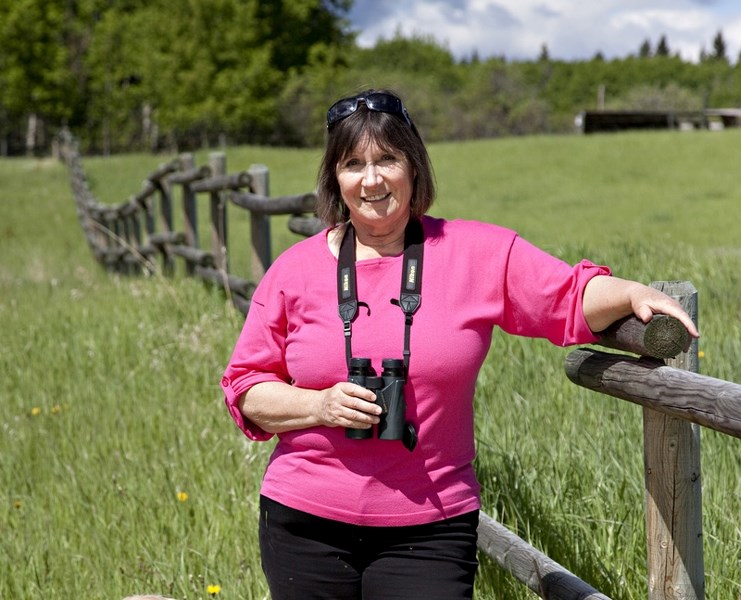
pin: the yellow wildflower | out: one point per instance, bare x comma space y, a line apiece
701, 354
56, 409
182, 496
35, 411
213, 589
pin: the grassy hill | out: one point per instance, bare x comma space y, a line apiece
121, 473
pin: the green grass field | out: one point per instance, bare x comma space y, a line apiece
121, 472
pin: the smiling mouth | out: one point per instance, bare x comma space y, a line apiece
377, 198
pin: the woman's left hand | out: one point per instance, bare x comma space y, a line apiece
607, 299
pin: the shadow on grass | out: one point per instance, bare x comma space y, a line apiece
548, 524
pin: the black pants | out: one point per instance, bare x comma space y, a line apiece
306, 557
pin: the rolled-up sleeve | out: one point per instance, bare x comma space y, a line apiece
258, 356
543, 295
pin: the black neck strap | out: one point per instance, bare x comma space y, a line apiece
411, 283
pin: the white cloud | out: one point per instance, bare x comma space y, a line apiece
571, 29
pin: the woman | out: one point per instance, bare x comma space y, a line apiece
345, 513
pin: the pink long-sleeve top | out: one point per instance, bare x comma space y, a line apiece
475, 276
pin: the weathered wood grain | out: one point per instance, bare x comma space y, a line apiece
542, 575
713, 403
662, 337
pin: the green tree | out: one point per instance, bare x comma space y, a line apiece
662, 48
211, 67
645, 50
411, 54
121, 55
719, 48
42, 80
291, 28
652, 97
308, 93
420, 69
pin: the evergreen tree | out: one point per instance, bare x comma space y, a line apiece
719, 48
544, 55
662, 48
645, 49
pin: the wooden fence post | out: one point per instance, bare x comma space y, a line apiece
165, 198
102, 231
260, 224
673, 486
217, 162
190, 209
150, 224
135, 215
119, 233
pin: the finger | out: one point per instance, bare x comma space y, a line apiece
363, 420
691, 327
676, 311
357, 391
644, 313
356, 419
347, 417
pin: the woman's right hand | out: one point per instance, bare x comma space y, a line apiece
276, 406
347, 404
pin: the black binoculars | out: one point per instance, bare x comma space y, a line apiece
389, 390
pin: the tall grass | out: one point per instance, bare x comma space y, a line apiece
120, 471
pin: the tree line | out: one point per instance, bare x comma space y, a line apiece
152, 75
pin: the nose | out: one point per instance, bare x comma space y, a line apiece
370, 174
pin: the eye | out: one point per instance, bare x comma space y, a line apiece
351, 163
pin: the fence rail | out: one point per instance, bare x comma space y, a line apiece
132, 236
710, 402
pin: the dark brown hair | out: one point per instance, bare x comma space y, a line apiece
388, 131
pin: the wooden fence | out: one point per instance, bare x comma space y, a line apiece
677, 400
130, 237
136, 235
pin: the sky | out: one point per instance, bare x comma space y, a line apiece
570, 29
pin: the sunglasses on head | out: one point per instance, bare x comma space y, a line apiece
377, 101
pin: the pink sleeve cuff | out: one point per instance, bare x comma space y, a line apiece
233, 390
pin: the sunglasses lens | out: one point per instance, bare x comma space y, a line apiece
341, 109
383, 103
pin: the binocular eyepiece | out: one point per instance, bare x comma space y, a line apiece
389, 390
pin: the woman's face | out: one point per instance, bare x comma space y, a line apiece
376, 185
